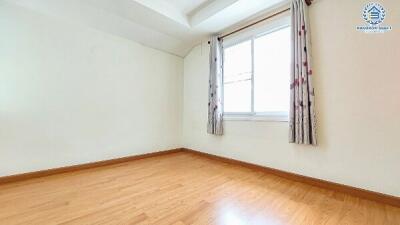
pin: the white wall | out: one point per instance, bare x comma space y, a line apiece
358, 106
72, 95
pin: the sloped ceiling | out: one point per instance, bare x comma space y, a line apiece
173, 26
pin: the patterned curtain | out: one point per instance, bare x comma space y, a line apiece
302, 122
215, 110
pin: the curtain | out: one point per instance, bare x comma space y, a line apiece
302, 122
215, 108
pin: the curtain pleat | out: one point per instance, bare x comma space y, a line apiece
302, 124
215, 107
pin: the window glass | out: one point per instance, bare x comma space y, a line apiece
237, 78
271, 72
257, 75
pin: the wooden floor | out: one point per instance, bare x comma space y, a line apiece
181, 188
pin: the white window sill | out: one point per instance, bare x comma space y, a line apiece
266, 118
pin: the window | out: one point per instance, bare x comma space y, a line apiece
257, 76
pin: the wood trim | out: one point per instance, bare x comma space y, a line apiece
358, 192
48, 172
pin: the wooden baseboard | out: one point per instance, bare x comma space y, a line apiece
43, 173
362, 193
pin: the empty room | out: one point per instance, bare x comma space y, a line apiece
199, 112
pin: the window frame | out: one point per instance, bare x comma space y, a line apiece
252, 35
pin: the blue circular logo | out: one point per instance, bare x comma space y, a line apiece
374, 13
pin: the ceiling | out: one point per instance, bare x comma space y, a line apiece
188, 6
173, 26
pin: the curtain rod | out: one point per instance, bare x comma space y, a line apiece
308, 2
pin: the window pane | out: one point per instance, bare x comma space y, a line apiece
237, 59
272, 72
237, 78
237, 96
